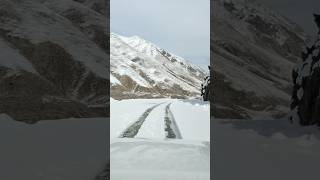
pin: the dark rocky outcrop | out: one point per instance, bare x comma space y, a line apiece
306, 81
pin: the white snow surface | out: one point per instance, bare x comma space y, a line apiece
69, 149
159, 160
141, 45
125, 112
193, 119
154, 126
114, 80
264, 150
150, 154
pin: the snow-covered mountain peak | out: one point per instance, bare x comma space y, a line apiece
141, 45
148, 48
150, 69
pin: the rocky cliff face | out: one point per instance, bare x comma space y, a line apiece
54, 59
140, 69
254, 50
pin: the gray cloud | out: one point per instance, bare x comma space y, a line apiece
180, 26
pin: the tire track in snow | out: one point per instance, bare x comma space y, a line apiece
153, 127
133, 129
171, 127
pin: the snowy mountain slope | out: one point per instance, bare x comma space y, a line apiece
100, 6
41, 22
58, 58
254, 50
145, 70
11, 58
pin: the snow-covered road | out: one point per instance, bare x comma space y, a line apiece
160, 139
160, 119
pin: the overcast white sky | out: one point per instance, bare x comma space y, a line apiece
180, 26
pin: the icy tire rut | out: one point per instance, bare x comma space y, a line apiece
133, 130
171, 127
